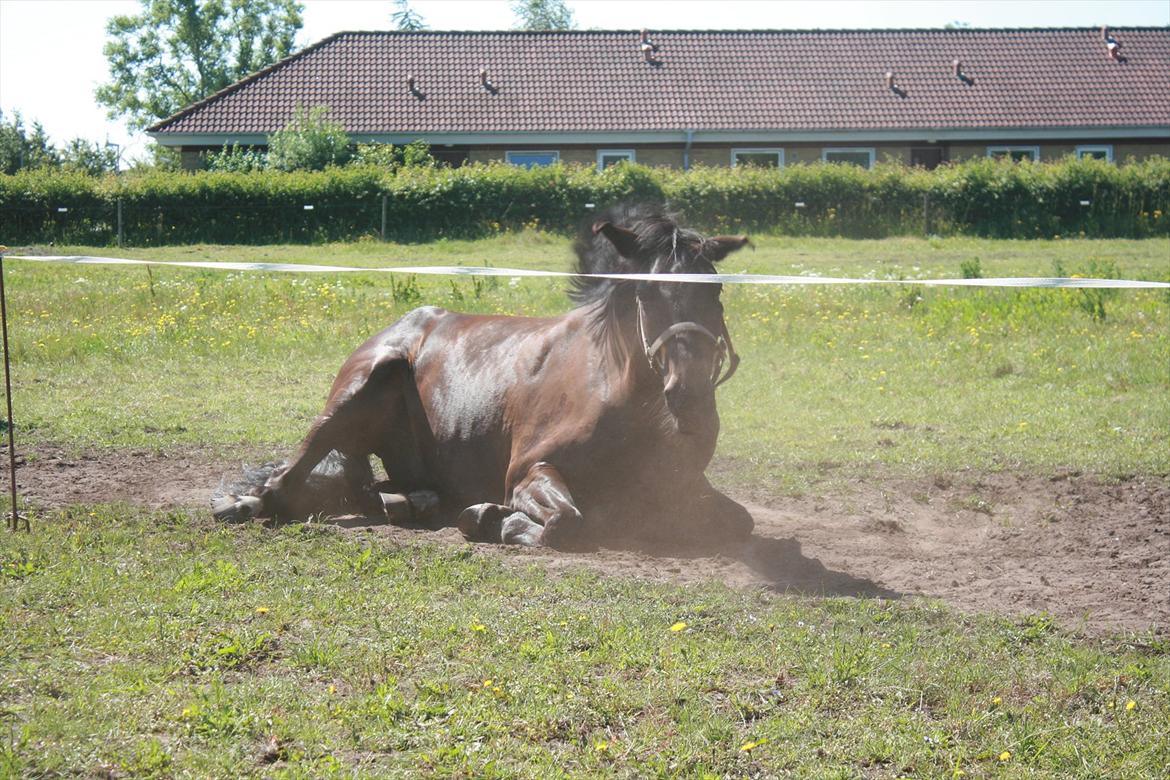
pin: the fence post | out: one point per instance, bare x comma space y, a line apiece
383, 216
926, 213
14, 521
119, 222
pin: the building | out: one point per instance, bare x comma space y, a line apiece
717, 98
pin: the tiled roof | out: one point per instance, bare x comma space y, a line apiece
704, 80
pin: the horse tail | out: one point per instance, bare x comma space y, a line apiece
326, 490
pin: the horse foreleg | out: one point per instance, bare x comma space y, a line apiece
541, 512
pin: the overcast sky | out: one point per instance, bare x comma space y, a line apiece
51, 50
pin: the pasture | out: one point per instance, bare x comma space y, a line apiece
967, 489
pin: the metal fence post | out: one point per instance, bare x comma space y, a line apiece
926, 213
383, 216
120, 236
14, 520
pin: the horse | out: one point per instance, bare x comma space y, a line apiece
541, 431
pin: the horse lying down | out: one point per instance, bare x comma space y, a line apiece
551, 431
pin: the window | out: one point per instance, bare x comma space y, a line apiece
532, 159
757, 158
1102, 152
608, 157
1015, 153
860, 157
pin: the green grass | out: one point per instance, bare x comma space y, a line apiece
166, 646
911, 380
160, 645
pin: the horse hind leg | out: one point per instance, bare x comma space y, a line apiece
354, 424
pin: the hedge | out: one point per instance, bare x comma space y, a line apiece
983, 197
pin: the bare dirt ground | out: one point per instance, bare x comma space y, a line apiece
1093, 553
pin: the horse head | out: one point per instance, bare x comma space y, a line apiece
679, 326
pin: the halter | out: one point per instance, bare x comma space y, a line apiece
724, 351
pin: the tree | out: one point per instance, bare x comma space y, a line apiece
543, 15
179, 51
406, 19
91, 158
310, 141
19, 149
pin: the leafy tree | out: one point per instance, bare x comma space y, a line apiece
414, 154
19, 149
543, 15
176, 52
310, 141
406, 18
91, 158
237, 158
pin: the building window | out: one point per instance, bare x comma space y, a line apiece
1099, 152
608, 157
859, 157
757, 158
532, 159
1015, 153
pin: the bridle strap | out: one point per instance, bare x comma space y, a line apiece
722, 344
674, 330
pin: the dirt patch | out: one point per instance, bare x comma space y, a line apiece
1094, 553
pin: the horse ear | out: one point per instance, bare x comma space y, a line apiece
625, 241
720, 247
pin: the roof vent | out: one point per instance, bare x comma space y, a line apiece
412, 85
486, 82
1111, 44
957, 65
649, 48
890, 85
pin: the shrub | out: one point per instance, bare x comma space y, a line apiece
423, 202
310, 142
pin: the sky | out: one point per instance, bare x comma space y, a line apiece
51, 50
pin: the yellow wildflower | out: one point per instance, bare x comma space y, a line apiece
1005, 755
261, 610
1130, 705
748, 747
679, 626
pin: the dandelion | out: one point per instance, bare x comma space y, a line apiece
748, 747
332, 689
487, 683
995, 702
478, 627
679, 626
1005, 756
1130, 705
601, 745
261, 610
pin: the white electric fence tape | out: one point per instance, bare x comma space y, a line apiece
447, 270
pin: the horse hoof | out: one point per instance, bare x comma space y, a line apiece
518, 528
235, 509
482, 522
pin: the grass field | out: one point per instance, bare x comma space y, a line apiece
160, 645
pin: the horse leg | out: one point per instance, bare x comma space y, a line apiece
355, 422
542, 512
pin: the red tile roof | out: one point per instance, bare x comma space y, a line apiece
705, 80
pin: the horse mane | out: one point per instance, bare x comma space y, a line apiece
659, 235
608, 299
655, 228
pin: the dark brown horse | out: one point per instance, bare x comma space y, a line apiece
566, 426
